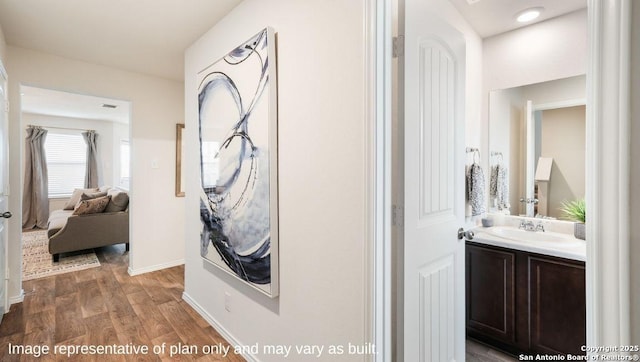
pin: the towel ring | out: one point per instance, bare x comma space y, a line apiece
498, 154
476, 152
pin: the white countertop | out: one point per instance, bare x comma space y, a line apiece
568, 248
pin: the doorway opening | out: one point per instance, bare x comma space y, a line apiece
76, 179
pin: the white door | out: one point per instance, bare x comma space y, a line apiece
434, 154
3, 197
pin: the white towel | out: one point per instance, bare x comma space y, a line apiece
499, 187
475, 189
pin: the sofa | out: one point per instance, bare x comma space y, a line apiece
91, 218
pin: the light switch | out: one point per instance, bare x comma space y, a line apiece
154, 163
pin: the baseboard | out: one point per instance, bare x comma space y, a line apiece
17, 299
152, 268
217, 326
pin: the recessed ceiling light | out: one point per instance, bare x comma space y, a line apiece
528, 15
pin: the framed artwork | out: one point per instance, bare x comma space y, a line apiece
179, 165
237, 111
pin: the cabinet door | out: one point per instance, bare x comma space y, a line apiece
490, 284
557, 306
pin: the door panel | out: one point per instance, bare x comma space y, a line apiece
437, 311
434, 64
437, 84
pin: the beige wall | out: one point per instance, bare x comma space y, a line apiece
563, 139
635, 174
323, 132
157, 105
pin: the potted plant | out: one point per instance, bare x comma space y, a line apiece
576, 210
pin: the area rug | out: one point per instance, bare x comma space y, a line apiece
38, 263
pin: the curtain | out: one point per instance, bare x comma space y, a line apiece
91, 178
35, 199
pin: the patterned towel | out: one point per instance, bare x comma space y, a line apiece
475, 189
499, 187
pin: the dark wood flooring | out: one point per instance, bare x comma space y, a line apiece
106, 306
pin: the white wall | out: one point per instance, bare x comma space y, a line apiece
552, 49
322, 180
157, 104
505, 136
120, 133
635, 175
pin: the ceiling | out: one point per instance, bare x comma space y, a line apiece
145, 36
150, 37
492, 17
63, 104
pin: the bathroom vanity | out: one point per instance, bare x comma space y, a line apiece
525, 291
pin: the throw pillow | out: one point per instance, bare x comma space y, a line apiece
92, 206
89, 196
75, 197
119, 201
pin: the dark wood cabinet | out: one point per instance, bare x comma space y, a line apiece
491, 286
557, 306
522, 302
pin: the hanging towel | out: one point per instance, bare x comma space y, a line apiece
499, 187
475, 189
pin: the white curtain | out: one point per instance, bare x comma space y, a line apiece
35, 199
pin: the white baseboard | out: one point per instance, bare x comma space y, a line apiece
152, 268
217, 326
17, 299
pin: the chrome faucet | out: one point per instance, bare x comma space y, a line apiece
529, 226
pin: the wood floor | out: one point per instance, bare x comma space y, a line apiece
106, 306
478, 352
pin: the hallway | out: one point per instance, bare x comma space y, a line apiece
104, 306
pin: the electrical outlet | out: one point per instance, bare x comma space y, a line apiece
227, 302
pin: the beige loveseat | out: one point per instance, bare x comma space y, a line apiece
68, 232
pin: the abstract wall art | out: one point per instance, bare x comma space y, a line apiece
237, 110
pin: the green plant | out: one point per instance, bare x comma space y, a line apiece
574, 210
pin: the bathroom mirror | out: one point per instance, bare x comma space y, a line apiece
537, 134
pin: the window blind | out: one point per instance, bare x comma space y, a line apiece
66, 162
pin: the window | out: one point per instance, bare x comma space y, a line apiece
124, 164
66, 162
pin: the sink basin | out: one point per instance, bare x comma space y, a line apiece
532, 236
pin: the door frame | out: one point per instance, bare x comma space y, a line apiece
608, 173
378, 36
4, 78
